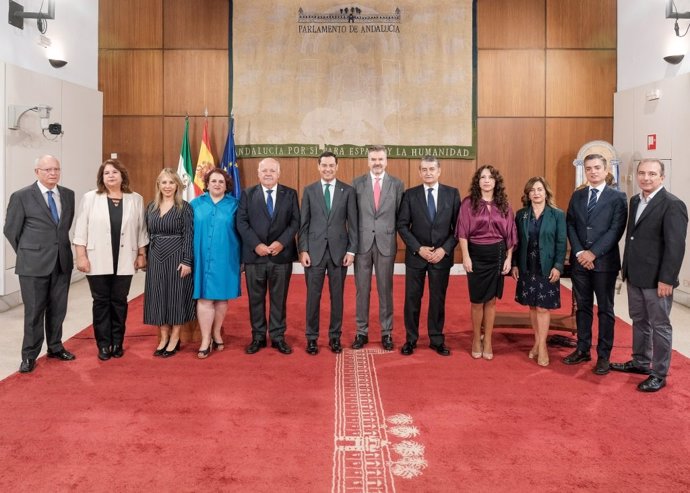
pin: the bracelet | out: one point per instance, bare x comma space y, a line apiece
141, 255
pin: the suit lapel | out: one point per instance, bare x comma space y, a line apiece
601, 203
386, 185
318, 193
260, 203
653, 204
423, 204
40, 201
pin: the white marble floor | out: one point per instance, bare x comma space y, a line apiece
79, 316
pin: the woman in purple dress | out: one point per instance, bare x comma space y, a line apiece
486, 230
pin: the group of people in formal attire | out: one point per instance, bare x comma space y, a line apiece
194, 252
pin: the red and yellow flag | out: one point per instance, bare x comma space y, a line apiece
205, 163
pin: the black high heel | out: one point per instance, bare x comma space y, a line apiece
217, 346
159, 351
167, 354
204, 353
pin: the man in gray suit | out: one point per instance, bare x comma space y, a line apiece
327, 244
378, 199
37, 226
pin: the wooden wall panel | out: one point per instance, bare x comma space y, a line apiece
516, 147
580, 82
198, 24
497, 21
564, 137
581, 24
138, 143
195, 80
130, 24
131, 81
510, 83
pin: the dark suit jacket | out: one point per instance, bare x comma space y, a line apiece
36, 239
378, 224
599, 233
255, 226
655, 246
417, 230
337, 230
552, 239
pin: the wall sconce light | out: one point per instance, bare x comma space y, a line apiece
674, 59
61, 63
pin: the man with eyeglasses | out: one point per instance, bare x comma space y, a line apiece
37, 226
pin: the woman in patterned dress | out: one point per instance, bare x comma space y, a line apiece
538, 260
168, 299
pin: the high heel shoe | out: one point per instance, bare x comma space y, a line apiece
478, 354
487, 356
218, 346
203, 353
159, 351
533, 353
543, 361
167, 354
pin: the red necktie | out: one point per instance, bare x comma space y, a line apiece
377, 193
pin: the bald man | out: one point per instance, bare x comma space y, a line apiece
268, 250
37, 226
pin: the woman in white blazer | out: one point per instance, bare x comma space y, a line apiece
110, 239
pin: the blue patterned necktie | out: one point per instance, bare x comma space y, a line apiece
53, 207
592, 201
431, 205
269, 202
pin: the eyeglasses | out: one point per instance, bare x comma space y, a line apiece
49, 170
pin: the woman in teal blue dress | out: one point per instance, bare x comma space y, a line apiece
216, 258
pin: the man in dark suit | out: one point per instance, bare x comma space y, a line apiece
327, 244
268, 250
654, 250
37, 226
378, 199
595, 221
426, 223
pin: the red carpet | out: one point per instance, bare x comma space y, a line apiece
365, 421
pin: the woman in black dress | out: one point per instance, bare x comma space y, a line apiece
538, 260
168, 299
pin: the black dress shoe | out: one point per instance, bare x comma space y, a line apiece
335, 346
630, 367
172, 352
576, 357
408, 348
387, 342
117, 351
62, 354
255, 345
27, 366
603, 367
360, 341
104, 354
312, 347
652, 384
281, 346
159, 352
441, 349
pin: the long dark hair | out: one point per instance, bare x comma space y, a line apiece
500, 197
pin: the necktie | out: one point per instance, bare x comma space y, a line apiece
327, 197
431, 205
377, 193
53, 207
592, 201
269, 202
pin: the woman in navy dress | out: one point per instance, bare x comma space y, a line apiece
538, 260
168, 291
216, 258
